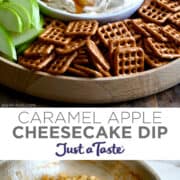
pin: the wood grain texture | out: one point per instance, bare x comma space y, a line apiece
95, 91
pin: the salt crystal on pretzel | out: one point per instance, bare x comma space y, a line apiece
82, 28
154, 12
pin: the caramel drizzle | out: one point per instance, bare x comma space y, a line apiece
79, 5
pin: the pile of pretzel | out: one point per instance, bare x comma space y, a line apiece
84, 48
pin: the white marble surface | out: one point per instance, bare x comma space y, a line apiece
167, 170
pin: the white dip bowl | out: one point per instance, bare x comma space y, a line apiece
114, 14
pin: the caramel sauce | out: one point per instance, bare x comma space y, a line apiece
80, 4
79, 7
45, 178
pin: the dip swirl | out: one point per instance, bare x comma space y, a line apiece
89, 6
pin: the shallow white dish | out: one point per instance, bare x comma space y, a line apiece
117, 14
29, 170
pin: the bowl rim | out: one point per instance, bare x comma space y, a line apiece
99, 16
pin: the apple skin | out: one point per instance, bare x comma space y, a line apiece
6, 44
21, 24
10, 20
21, 11
33, 8
21, 38
29, 35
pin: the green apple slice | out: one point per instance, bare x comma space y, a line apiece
6, 44
41, 22
21, 11
30, 34
36, 14
10, 19
33, 8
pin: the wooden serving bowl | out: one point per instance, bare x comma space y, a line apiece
86, 90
